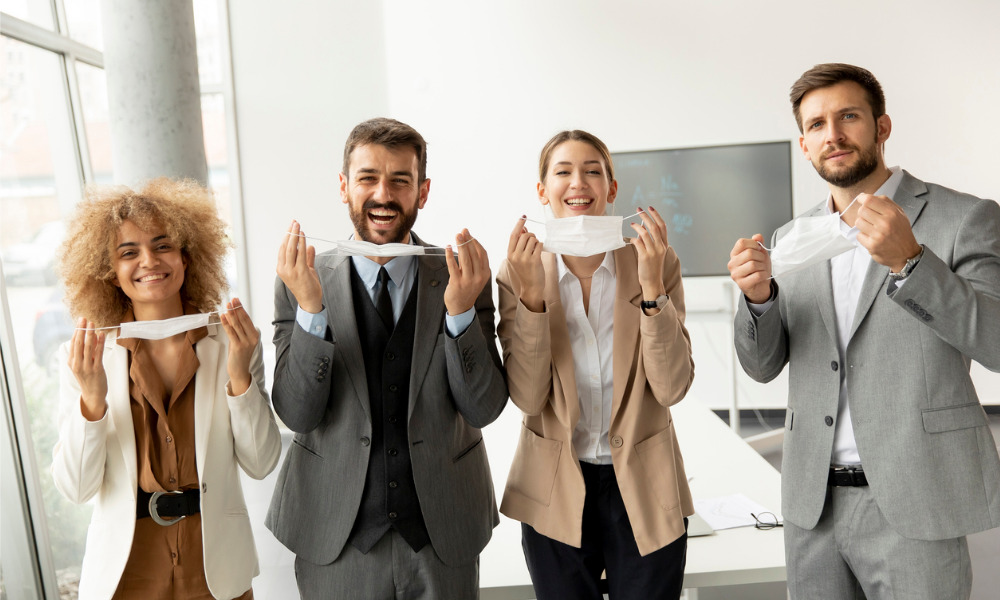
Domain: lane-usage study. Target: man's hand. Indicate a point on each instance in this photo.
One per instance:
(296, 268)
(467, 274)
(651, 246)
(884, 230)
(524, 253)
(750, 267)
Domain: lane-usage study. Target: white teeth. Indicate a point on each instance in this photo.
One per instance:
(154, 277)
(382, 212)
(578, 202)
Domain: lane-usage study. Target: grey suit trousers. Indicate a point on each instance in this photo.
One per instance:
(853, 554)
(391, 570)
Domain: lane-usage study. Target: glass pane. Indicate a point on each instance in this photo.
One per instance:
(84, 20)
(94, 101)
(38, 12)
(208, 30)
(39, 185)
(213, 115)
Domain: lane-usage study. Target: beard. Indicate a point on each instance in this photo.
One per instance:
(395, 235)
(850, 176)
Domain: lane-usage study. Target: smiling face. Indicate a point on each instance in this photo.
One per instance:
(382, 192)
(149, 269)
(840, 135)
(576, 181)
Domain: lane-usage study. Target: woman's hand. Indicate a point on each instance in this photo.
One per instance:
(524, 252)
(651, 246)
(243, 339)
(86, 361)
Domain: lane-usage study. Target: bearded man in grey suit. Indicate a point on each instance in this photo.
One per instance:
(387, 368)
(888, 457)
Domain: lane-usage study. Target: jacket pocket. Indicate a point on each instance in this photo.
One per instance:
(301, 446)
(463, 453)
(965, 416)
(657, 454)
(533, 471)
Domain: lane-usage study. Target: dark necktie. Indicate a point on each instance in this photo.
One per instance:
(383, 303)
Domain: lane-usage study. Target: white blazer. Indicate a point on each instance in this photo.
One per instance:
(99, 459)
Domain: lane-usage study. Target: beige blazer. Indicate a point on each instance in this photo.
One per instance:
(653, 369)
(98, 460)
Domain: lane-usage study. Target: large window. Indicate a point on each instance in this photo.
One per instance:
(55, 126)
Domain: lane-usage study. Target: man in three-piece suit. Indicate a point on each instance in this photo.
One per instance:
(888, 457)
(387, 368)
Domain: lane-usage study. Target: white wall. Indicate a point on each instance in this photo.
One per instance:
(487, 83)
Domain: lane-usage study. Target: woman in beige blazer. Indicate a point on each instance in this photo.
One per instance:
(153, 426)
(596, 351)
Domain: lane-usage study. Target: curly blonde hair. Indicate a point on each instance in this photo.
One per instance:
(184, 209)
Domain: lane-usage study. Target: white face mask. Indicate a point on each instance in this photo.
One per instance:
(158, 330)
(584, 235)
(810, 240)
(363, 248)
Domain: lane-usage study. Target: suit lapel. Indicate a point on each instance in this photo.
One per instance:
(562, 353)
(907, 197)
(823, 284)
(206, 391)
(335, 278)
(628, 295)
(119, 404)
(432, 279)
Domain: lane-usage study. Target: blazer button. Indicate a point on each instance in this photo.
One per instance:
(393, 452)
(393, 387)
(616, 441)
(390, 356)
(393, 515)
(393, 484)
(828, 420)
(365, 441)
(834, 365)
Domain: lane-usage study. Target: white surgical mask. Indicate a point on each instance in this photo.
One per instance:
(363, 248)
(583, 235)
(158, 330)
(810, 240)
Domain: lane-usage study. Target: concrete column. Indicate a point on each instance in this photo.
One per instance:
(154, 100)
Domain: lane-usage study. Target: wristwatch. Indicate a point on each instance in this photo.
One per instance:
(660, 302)
(910, 263)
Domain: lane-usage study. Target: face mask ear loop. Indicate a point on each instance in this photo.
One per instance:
(851, 204)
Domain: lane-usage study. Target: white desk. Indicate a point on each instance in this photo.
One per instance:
(720, 464)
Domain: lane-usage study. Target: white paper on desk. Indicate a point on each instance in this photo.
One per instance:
(726, 512)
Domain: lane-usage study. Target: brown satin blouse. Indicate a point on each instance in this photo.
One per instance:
(165, 562)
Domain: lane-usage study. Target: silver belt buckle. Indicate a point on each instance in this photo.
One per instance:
(155, 516)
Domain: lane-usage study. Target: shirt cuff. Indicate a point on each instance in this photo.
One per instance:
(759, 309)
(315, 324)
(457, 325)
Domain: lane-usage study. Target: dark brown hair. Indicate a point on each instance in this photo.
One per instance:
(391, 134)
(577, 135)
(828, 74)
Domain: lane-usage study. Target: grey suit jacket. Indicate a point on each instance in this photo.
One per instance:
(921, 431)
(320, 391)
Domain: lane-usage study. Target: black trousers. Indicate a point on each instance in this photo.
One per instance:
(562, 572)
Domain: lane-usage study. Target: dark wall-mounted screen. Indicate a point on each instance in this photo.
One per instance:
(709, 197)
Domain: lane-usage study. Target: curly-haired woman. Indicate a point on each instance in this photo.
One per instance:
(153, 427)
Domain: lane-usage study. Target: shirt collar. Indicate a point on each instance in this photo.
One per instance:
(400, 268)
(608, 264)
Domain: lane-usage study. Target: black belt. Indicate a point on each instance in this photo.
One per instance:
(172, 505)
(847, 476)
